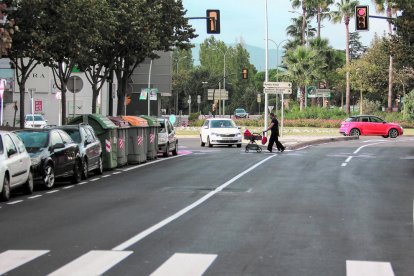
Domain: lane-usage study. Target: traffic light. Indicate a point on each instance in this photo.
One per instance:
(362, 18)
(213, 21)
(245, 73)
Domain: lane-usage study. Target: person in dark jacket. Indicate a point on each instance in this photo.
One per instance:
(274, 134)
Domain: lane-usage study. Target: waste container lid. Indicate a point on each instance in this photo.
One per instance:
(152, 121)
(104, 122)
(135, 121)
(119, 121)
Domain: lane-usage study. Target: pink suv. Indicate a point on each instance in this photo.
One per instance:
(369, 125)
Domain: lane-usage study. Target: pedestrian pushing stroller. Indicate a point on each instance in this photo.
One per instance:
(252, 137)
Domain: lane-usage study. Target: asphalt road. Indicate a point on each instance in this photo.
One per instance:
(343, 208)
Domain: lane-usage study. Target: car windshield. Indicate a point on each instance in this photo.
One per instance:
(351, 119)
(34, 139)
(34, 118)
(240, 111)
(162, 127)
(222, 124)
(74, 134)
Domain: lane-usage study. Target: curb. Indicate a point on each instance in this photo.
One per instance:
(321, 141)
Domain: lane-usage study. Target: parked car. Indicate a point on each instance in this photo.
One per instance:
(89, 147)
(220, 131)
(53, 154)
(15, 165)
(240, 113)
(167, 140)
(34, 121)
(370, 125)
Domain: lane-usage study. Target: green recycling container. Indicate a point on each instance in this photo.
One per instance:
(152, 139)
(106, 131)
(137, 139)
(122, 151)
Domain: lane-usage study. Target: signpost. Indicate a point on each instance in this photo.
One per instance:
(278, 88)
(2, 87)
(217, 94)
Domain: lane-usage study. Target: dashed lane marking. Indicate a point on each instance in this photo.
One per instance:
(52, 192)
(108, 175)
(32, 197)
(68, 187)
(185, 264)
(94, 179)
(14, 202)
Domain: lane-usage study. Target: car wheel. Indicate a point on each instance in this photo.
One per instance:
(77, 172)
(175, 150)
(28, 186)
(208, 142)
(5, 193)
(393, 133)
(354, 132)
(239, 145)
(167, 149)
(49, 176)
(99, 170)
(201, 142)
(85, 169)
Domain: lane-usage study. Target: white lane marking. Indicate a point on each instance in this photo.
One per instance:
(94, 179)
(36, 196)
(14, 202)
(185, 265)
(348, 159)
(180, 213)
(116, 172)
(361, 147)
(374, 140)
(95, 262)
(82, 183)
(150, 163)
(51, 192)
(11, 259)
(108, 175)
(358, 268)
(344, 164)
(68, 187)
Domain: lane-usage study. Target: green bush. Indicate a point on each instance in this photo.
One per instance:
(194, 116)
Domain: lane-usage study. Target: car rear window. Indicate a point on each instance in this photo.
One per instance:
(33, 139)
(352, 119)
(74, 134)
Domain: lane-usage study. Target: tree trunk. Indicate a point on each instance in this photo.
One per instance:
(302, 98)
(390, 69)
(348, 87)
(22, 91)
(319, 21)
(63, 103)
(304, 23)
(360, 103)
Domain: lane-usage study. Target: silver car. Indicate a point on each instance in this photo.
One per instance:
(167, 140)
(15, 165)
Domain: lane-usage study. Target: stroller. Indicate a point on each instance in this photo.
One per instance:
(252, 137)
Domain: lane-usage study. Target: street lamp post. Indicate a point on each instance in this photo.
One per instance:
(224, 79)
(266, 64)
(178, 61)
(277, 62)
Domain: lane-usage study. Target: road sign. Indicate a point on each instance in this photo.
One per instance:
(218, 94)
(277, 90)
(270, 107)
(38, 106)
(277, 84)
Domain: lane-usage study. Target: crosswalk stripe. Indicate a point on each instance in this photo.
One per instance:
(185, 264)
(95, 262)
(11, 259)
(357, 268)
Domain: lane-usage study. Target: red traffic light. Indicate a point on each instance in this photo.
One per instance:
(361, 11)
(361, 18)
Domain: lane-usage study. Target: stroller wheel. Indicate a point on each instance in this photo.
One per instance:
(259, 149)
(246, 150)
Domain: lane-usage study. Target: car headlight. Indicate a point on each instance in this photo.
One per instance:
(238, 134)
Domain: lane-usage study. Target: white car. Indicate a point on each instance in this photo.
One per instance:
(220, 131)
(15, 165)
(167, 140)
(34, 121)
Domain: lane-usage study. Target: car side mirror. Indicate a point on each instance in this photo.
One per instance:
(10, 152)
(58, 146)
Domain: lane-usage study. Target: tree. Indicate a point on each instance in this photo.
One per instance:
(26, 50)
(6, 31)
(345, 11)
(322, 11)
(303, 5)
(356, 49)
(144, 28)
(304, 66)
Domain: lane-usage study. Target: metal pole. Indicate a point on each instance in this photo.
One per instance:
(219, 102)
(149, 87)
(266, 66)
(224, 80)
(74, 97)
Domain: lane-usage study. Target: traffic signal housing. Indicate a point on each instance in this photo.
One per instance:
(245, 73)
(361, 18)
(213, 21)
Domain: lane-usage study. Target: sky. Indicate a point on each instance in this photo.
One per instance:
(245, 19)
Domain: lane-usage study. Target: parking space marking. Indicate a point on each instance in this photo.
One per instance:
(36, 196)
(14, 202)
(68, 187)
(107, 175)
(82, 183)
(116, 172)
(94, 179)
(51, 192)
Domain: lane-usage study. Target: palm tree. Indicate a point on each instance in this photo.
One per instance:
(297, 4)
(304, 66)
(387, 6)
(345, 11)
(295, 30)
(322, 9)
